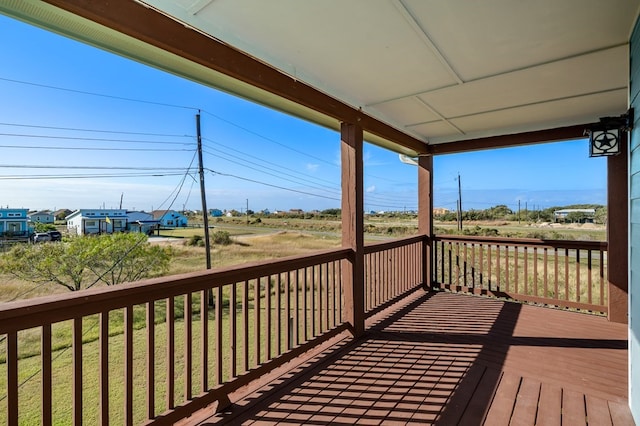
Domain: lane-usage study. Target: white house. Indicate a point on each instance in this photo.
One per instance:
(44, 216)
(141, 222)
(14, 223)
(97, 221)
(561, 215)
(170, 218)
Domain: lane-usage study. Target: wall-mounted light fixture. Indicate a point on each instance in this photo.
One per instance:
(604, 137)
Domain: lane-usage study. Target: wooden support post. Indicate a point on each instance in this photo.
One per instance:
(353, 225)
(425, 216)
(618, 234)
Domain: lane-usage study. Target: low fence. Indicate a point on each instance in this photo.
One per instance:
(569, 274)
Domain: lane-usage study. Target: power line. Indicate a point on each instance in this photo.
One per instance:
(279, 176)
(34, 166)
(77, 138)
(271, 185)
(83, 92)
(94, 149)
(269, 139)
(87, 176)
(244, 154)
(96, 130)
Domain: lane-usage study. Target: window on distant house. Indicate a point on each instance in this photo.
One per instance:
(90, 223)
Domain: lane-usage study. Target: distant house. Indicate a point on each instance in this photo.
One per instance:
(61, 214)
(44, 216)
(14, 224)
(170, 218)
(97, 221)
(141, 222)
(583, 215)
(216, 213)
(439, 211)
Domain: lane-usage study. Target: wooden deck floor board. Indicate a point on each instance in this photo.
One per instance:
(502, 405)
(573, 410)
(456, 359)
(526, 405)
(549, 405)
(597, 411)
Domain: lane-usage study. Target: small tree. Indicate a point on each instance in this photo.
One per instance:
(44, 227)
(127, 257)
(84, 261)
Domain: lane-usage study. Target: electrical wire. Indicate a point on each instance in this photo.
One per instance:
(77, 138)
(214, 172)
(96, 131)
(83, 92)
(94, 149)
(93, 176)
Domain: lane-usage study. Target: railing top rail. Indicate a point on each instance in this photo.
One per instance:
(570, 244)
(389, 244)
(24, 314)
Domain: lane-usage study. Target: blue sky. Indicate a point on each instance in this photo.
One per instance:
(100, 127)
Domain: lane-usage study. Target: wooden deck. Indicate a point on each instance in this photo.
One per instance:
(448, 359)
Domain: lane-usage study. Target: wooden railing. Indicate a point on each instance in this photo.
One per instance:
(570, 274)
(156, 351)
(391, 269)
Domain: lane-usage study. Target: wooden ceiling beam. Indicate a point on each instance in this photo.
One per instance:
(504, 141)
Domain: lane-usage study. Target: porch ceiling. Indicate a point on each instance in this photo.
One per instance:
(439, 71)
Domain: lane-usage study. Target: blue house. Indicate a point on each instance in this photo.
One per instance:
(170, 218)
(14, 224)
(141, 222)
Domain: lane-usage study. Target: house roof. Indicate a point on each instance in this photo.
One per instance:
(159, 214)
(412, 72)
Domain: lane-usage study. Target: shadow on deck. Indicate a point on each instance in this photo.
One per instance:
(443, 358)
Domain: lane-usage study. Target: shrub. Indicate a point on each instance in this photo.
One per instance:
(195, 240)
(222, 238)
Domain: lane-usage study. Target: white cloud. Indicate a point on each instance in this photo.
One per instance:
(312, 167)
(371, 188)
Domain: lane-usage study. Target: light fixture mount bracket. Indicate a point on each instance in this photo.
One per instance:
(604, 137)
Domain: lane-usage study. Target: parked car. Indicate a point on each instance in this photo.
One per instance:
(40, 237)
(55, 235)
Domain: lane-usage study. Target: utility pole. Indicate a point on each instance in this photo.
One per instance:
(247, 211)
(205, 213)
(459, 204)
(518, 211)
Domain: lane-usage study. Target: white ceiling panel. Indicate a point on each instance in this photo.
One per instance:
(362, 55)
(538, 116)
(489, 37)
(437, 130)
(566, 78)
(407, 110)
